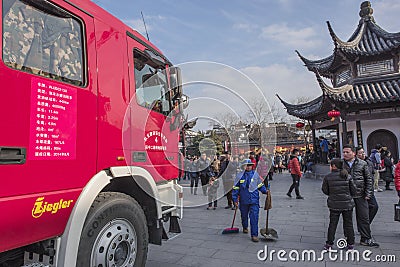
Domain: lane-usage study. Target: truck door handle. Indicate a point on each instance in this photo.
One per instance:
(12, 155)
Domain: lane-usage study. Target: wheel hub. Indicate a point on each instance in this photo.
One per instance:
(115, 246)
(121, 253)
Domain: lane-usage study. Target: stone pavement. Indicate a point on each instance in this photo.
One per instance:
(301, 225)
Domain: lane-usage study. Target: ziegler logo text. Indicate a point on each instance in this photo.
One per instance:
(41, 206)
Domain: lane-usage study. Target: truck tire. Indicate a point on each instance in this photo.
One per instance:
(114, 234)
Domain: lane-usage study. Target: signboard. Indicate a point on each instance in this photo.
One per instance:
(155, 141)
(52, 121)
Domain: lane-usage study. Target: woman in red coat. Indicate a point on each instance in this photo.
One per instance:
(295, 171)
(397, 178)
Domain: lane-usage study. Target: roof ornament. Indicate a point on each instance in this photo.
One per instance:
(366, 10)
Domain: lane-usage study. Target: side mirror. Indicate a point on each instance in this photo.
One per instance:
(165, 106)
(184, 101)
(176, 81)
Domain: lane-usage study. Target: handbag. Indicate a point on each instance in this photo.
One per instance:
(397, 212)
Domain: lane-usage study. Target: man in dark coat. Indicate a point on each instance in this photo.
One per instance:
(372, 203)
(387, 172)
(205, 172)
(324, 149)
(358, 169)
(228, 173)
(339, 186)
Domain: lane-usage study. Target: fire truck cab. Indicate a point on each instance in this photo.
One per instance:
(89, 160)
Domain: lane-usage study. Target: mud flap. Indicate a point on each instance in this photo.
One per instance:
(174, 225)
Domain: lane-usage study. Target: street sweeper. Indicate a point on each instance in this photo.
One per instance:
(246, 196)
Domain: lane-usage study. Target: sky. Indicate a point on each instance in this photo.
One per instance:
(247, 39)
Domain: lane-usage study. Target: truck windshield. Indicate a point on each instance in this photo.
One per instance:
(151, 85)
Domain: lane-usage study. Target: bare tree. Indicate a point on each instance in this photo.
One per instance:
(227, 120)
(259, 112)
(301, 100)
(279, 113)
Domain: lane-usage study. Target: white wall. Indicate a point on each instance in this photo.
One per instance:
(392, 125)
(367, 127)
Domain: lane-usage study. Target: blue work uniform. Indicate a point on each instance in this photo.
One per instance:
(247, 184)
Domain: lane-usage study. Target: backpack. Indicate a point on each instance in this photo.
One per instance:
(372, 157)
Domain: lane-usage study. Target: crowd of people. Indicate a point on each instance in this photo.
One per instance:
(277, 162)
(351, 184)
(241, 179)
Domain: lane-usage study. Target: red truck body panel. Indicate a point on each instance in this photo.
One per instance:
(72, 132)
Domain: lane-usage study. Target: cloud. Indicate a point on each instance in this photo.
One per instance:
(386, 6)
(286, 3)
(216, 89)
(229, 89)
(386, 14)
(243, 22)
(137, 24)
(304, 38)
(220, 81)
(245, 27)
(290, 83)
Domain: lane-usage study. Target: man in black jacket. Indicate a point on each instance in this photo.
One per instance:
(358, 169)
(205, 172)
(372, 203)
(339, 186)
(228, 173)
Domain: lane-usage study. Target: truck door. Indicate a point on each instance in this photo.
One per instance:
(154, 140)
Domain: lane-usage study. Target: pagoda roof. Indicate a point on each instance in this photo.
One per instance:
(315, 108)
(361, 92)
(383, 90)
(368, 39)
(321, 65)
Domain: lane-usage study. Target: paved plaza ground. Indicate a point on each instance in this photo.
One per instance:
(301, 225)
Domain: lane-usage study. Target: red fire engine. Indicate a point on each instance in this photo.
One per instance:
(89, 157)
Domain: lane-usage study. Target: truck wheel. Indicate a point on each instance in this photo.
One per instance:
(115, 233)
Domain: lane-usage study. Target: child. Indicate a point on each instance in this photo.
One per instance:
(340, 188)
(212, 192)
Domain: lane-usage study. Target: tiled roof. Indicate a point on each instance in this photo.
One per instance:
(321, 65)
(386, 89)
(366, 93)
(310, 109)
(367, 40)
(379, 90)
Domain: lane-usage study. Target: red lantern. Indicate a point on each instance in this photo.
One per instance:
(300, 125)
(333, 114)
